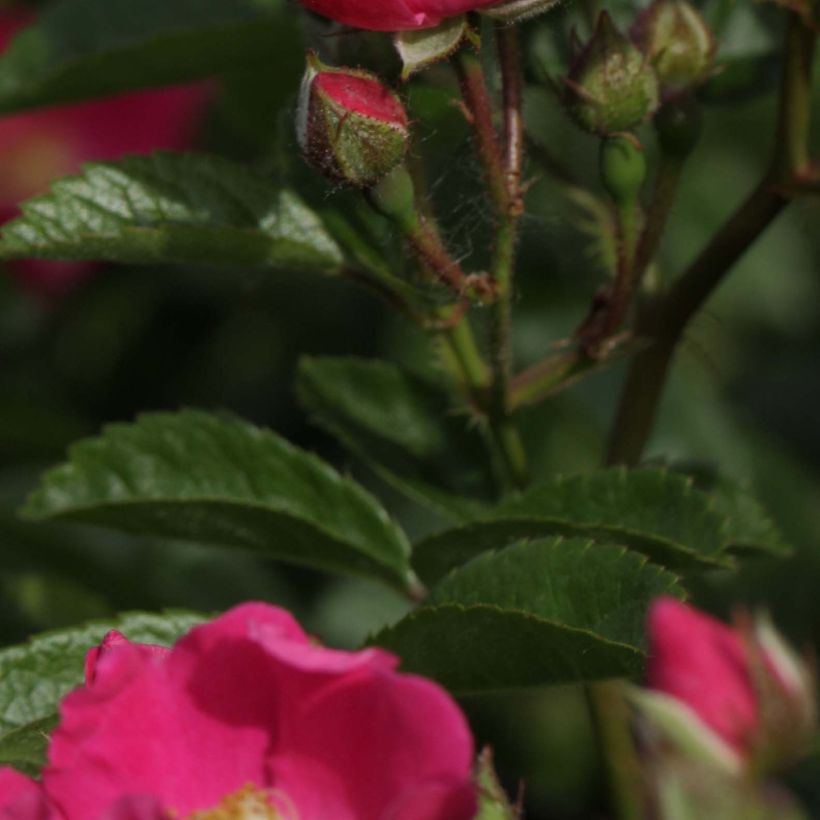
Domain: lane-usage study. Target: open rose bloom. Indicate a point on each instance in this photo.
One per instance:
(737, 696)
(247, 718)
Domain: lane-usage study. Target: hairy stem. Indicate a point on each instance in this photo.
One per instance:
(501, 161)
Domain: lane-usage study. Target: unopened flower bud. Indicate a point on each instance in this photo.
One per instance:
(677, 42)
(611, 86)
(350, 126)
(742, 692)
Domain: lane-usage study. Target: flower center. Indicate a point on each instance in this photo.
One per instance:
(250, 803)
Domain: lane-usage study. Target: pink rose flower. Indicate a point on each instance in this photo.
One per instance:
(246, 714)
(744, 683)
(703, 663)
(37, 147)
(392, 15)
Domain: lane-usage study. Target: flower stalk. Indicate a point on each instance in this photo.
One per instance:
(502, 162)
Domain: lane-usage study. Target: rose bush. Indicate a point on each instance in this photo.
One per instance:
(40, 146)
(247, 717)
(393, 15)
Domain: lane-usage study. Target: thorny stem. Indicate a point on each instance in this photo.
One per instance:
(502, 162)
(664, 320)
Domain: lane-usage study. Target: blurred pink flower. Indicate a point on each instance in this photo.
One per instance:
(703, 663)
(247, 716)
(38, 146)
(744, 683)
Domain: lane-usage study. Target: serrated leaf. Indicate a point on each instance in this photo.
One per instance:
(402, 427)
(421, 48)
(171, 208)
(212, 479)
(748, 527)
(35, 675)
(24, 747)
(78, 49)
(543, 612)
(656, 512)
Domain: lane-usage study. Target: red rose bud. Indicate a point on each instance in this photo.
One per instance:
(677, 42)
(611, 86)
(742, 686)
(350, 126)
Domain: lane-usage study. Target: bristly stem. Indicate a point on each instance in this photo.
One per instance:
(664, 320)
(502, 161)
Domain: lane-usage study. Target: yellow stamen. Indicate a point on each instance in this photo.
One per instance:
(250, 803)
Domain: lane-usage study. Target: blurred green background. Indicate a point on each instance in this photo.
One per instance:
(745, 393)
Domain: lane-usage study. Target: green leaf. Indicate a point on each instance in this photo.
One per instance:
(171, 208)
(216, 479)
(24, 748)
(542, 612)
(87, 48)
(656, 512)
(402, 427)
(34, 676)
(748, 527)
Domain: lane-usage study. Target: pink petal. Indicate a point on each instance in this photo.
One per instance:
(388, 737)
(702, 662)
(137, 729)
(112, 641)
(22, 798)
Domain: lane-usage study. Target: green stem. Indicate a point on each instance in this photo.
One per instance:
(479, 108)
(664, 192)
(470, 368)
(502, 163)
(664, 321)
(630, 219)
(794, 121)
(610, 719)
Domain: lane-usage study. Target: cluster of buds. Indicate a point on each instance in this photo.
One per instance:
(617, 81)
(736, 701)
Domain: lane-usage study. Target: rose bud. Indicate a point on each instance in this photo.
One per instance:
(677, 42)
(738, 695)
(350, 126)
(611, 86)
